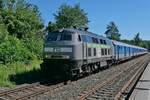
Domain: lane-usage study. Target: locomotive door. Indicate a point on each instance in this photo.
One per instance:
(84, 51)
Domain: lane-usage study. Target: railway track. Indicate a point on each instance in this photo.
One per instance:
(126, 90)
(110, 88)
(117, 86)
(28, 91)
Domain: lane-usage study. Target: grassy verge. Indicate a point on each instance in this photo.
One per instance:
(14, 69)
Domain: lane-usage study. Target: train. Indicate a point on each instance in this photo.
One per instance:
(72, 52)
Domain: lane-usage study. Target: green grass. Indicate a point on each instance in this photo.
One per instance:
(18, 68)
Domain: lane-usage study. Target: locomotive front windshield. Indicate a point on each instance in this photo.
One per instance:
(59, 37)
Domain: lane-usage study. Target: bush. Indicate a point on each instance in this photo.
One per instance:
(34, 45)
(3, 33)
(12, 50)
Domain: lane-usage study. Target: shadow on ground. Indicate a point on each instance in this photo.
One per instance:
(37, 75)
(34, 76)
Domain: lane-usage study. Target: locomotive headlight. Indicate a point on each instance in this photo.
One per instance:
(47, 56)
(66, 56)
(48, 49)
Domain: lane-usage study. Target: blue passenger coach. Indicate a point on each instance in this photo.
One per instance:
(124, 51)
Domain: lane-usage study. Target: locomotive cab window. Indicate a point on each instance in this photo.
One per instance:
(59, 37)
(66, 37)
(52, 37)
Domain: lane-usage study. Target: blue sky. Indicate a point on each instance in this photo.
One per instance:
(131, 16)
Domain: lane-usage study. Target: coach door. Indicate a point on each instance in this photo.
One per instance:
(115, 51)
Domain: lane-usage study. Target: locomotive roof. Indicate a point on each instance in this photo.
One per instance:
(82, 32)
(71, 30)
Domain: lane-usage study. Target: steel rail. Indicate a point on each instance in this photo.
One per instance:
(130, 83)
(85, 94)
(17, 89)
(36, 93)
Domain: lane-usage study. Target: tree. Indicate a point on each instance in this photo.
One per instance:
(1, 4)
(3, 33)
(112, 31)
(137, 40)
(21, 31)
(21, 19)
(68, 17)
(51, 27)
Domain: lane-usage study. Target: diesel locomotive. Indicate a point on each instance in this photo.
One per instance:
(73, 52)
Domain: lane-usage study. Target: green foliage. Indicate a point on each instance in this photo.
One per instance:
(137, 40)
(22, 19)
(21, 35)
(143, 43)
(147, 45)
(34, 44)
(68, 17)
(51, 27)
(1, 4)
(3, 33)
(112, 31)
(12, 50)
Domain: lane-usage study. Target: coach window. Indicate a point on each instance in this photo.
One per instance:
(121, 49)
(89, 51)
(84, 39)
(101, 41)
(89, 39)
(104, 41)
(108, 51)
(79, 38)
(93, 40)
(94, 51)
(96, 40)
(102, 51)
(105, 51)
